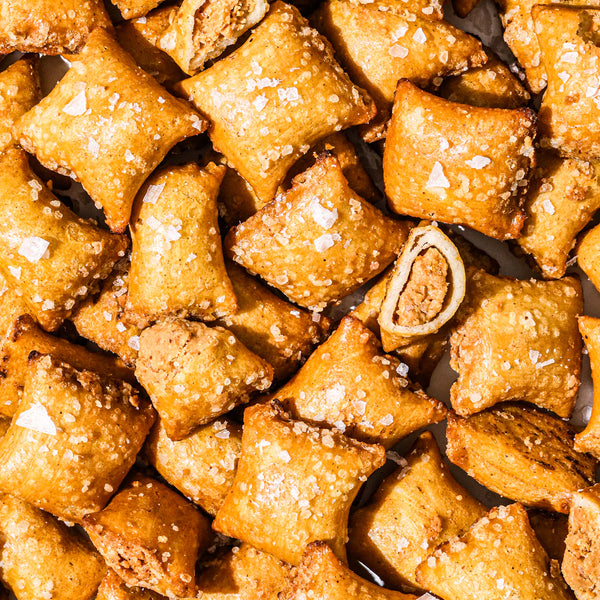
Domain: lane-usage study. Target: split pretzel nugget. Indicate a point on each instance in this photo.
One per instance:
(457, 163)
(26, 337)
(569, 116)
(194, 373)
(73, 438)
(319, 241)
(108, 124)
(275, 97)
(562, 198)
(114, 588)
(589, 439)
(381, 42)
(177, 267)
(201, 466)
(581, 565)
(517, 340)
(151, 537)
(294, 484)
(48, 253)
(321, 575)
(49, 27)
(42, 558)
(417, 507)
(498, 558)
(521, 453)
(348, 383)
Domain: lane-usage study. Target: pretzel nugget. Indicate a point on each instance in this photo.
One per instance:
(581, 565)
(498, 558)
(276, 96)
(194, 373)
(319, 241)
(244, 573)
(102, 318)
(381, 42)
(456, 163)
(493, 86)
(177, 266)
(321, 575)
(518, 340)
(133, 9)
(73, 438)
(19, 92)
(568, 118)
(350, 384)
(201, 30)
(50, 255)
(202, 465)
(589, 439)
(49, 27)
(141, 38)
(425, 288)
(280, 332)
(43, 558)
(562, 198)
(521, 453)
(417, 507)
(588, 251)
(114, 588)
(294, 484)
(27, 337)
(12, 306)
(151, 537)
(112, 124)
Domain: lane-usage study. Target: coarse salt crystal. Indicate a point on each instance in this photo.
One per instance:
(134, 342)
(37, 419)
(534, 356)
(398, 51)
(548, 206)
(129, 155)
(419, 36)
(15, 272)
(335, 393)
(569, 57)
(260, 102)
(478, 162)
(77, 106)
(545, 363)
(153, 193)
(324, 242)
(386, 420)
(322, 216)
(285, 456)
(223, 434)
(33, 248)
(437, 177)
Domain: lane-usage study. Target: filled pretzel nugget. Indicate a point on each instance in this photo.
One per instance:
(517, 340)
(457, 163)
(177, 266)
(417, 507)
(589, 439)
(322, 575)
(521, 453)
(561, 200)
(112, 124)
(19, 92)
(201, 30)
(276, 96)
(50, 255)
(49, 27)
(294, 484)
(151, 537)
(194, 373)
(498, 558)
(141, 38)
(588, 251)
(132, 9)
(581, 564)
(202, 465)
(43, 558)
(426, 287)
(381, 42)
(103, 320)
(569, 116)
(350, 384)
(243, 573)
(73, 438)
(114, 588)
(280, 332)
(26, 337)
(319, 241)
(493, 86)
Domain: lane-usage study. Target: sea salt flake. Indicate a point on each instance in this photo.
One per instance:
(324, 242)
(33, 248)
(419, 36)
(77, 106)
(437, 177)
(478, 162)
(153, 193)
(322, 216)
(37, 419)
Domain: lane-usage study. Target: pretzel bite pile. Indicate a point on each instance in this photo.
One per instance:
(240, 253)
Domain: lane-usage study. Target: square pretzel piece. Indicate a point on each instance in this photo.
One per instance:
(294, 484)
(108, 124)
(275, 97)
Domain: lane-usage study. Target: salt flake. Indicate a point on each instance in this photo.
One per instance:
(33, 248)
(437, 177)
(37, 419)
(77, 106)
